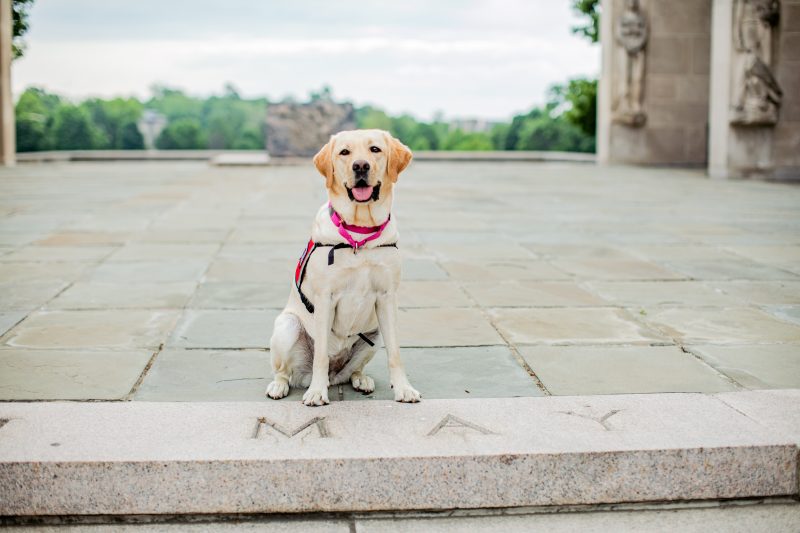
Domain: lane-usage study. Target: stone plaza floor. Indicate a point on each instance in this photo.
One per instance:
(160, 281)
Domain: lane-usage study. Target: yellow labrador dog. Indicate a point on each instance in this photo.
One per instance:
(345, 288)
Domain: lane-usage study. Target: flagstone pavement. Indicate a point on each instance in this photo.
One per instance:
(160, 281)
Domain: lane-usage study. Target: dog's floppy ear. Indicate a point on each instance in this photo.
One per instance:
(324, 162)
(399, 157)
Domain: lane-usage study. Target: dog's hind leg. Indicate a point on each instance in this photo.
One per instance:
(361, 354)
(286, 353)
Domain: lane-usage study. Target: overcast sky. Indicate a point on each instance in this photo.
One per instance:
(466, 58)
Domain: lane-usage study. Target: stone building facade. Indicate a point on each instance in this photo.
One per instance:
(717, 82)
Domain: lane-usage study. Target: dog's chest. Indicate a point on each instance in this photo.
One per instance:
(355, 283)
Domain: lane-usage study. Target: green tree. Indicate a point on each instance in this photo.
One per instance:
(34, 113)
(182, 134)
(371, 118)
(590, 11)
(19, 14)
(117, 119)
(579, 98)
(541, 131)
(73, 129)
(458, 139)
(129, 137)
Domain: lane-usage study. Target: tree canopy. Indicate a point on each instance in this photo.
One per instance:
(590, 11)
(47, 121)
(19, 15)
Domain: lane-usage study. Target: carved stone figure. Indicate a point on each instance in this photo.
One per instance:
(755, 91)
(631, 34)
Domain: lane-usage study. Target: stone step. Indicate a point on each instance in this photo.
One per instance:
(131, 458)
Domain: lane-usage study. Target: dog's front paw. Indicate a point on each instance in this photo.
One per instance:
(406, 393)
(362, 382)
(277, 389)
(316, 396)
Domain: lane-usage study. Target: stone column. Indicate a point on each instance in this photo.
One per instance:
(747, 96)
(604, 85)
(8, 141)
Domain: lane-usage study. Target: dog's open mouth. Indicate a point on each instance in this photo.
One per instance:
(364, 194)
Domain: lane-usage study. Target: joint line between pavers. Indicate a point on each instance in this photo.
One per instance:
(726, 377)
(144, 372)
(520, 360)
(684, 349)
(7, 333)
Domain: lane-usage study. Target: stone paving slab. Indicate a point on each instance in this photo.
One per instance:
(532, 293)
(167, 252)
(79, 254)
(444, 326)
(463, 372)
(100, 295)
(41, 272)
(736, 325)
(774, 366)
(148, 272)
(657, 293)
(569, 370)
(730, 270)
(212, 328)
(761, 292)
(120, 329)
(69, 374)
(622, 269)
(234, 295)
(102, 458)
(573, 326)
(9, 319)
(432, 294)
(502, 269)
(776, 518)
(208, 375)
(29, 295)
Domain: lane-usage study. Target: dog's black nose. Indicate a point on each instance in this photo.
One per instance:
(361, 167)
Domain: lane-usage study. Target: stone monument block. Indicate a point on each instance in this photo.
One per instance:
(294, 129)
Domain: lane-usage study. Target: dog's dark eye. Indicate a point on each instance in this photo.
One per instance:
(374, 149)
(345, 152)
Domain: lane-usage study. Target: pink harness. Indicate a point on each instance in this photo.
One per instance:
(345, 229)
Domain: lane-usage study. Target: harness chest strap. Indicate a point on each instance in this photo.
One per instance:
(300, 272)
(344, 229)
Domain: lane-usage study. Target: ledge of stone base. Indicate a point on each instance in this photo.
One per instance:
(184, 458)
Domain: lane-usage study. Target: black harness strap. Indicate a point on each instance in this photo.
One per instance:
(307, 256)
(366, 339)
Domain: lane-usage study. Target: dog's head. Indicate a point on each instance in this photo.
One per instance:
(362, 165)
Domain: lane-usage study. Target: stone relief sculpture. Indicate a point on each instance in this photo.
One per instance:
(631, 33)
(756, 95)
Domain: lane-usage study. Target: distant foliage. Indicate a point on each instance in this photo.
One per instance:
(557, 126)
(590, 10)
(19, 15)
(48, 122)
(579, 98)
(73, 129)
(182, 134)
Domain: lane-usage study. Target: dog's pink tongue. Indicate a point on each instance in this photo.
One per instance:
(362, 193)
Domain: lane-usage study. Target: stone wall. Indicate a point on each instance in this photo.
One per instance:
(675, 85)
(787, 130)
(294, 129)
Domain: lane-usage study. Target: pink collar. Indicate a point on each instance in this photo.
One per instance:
(345, 228)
